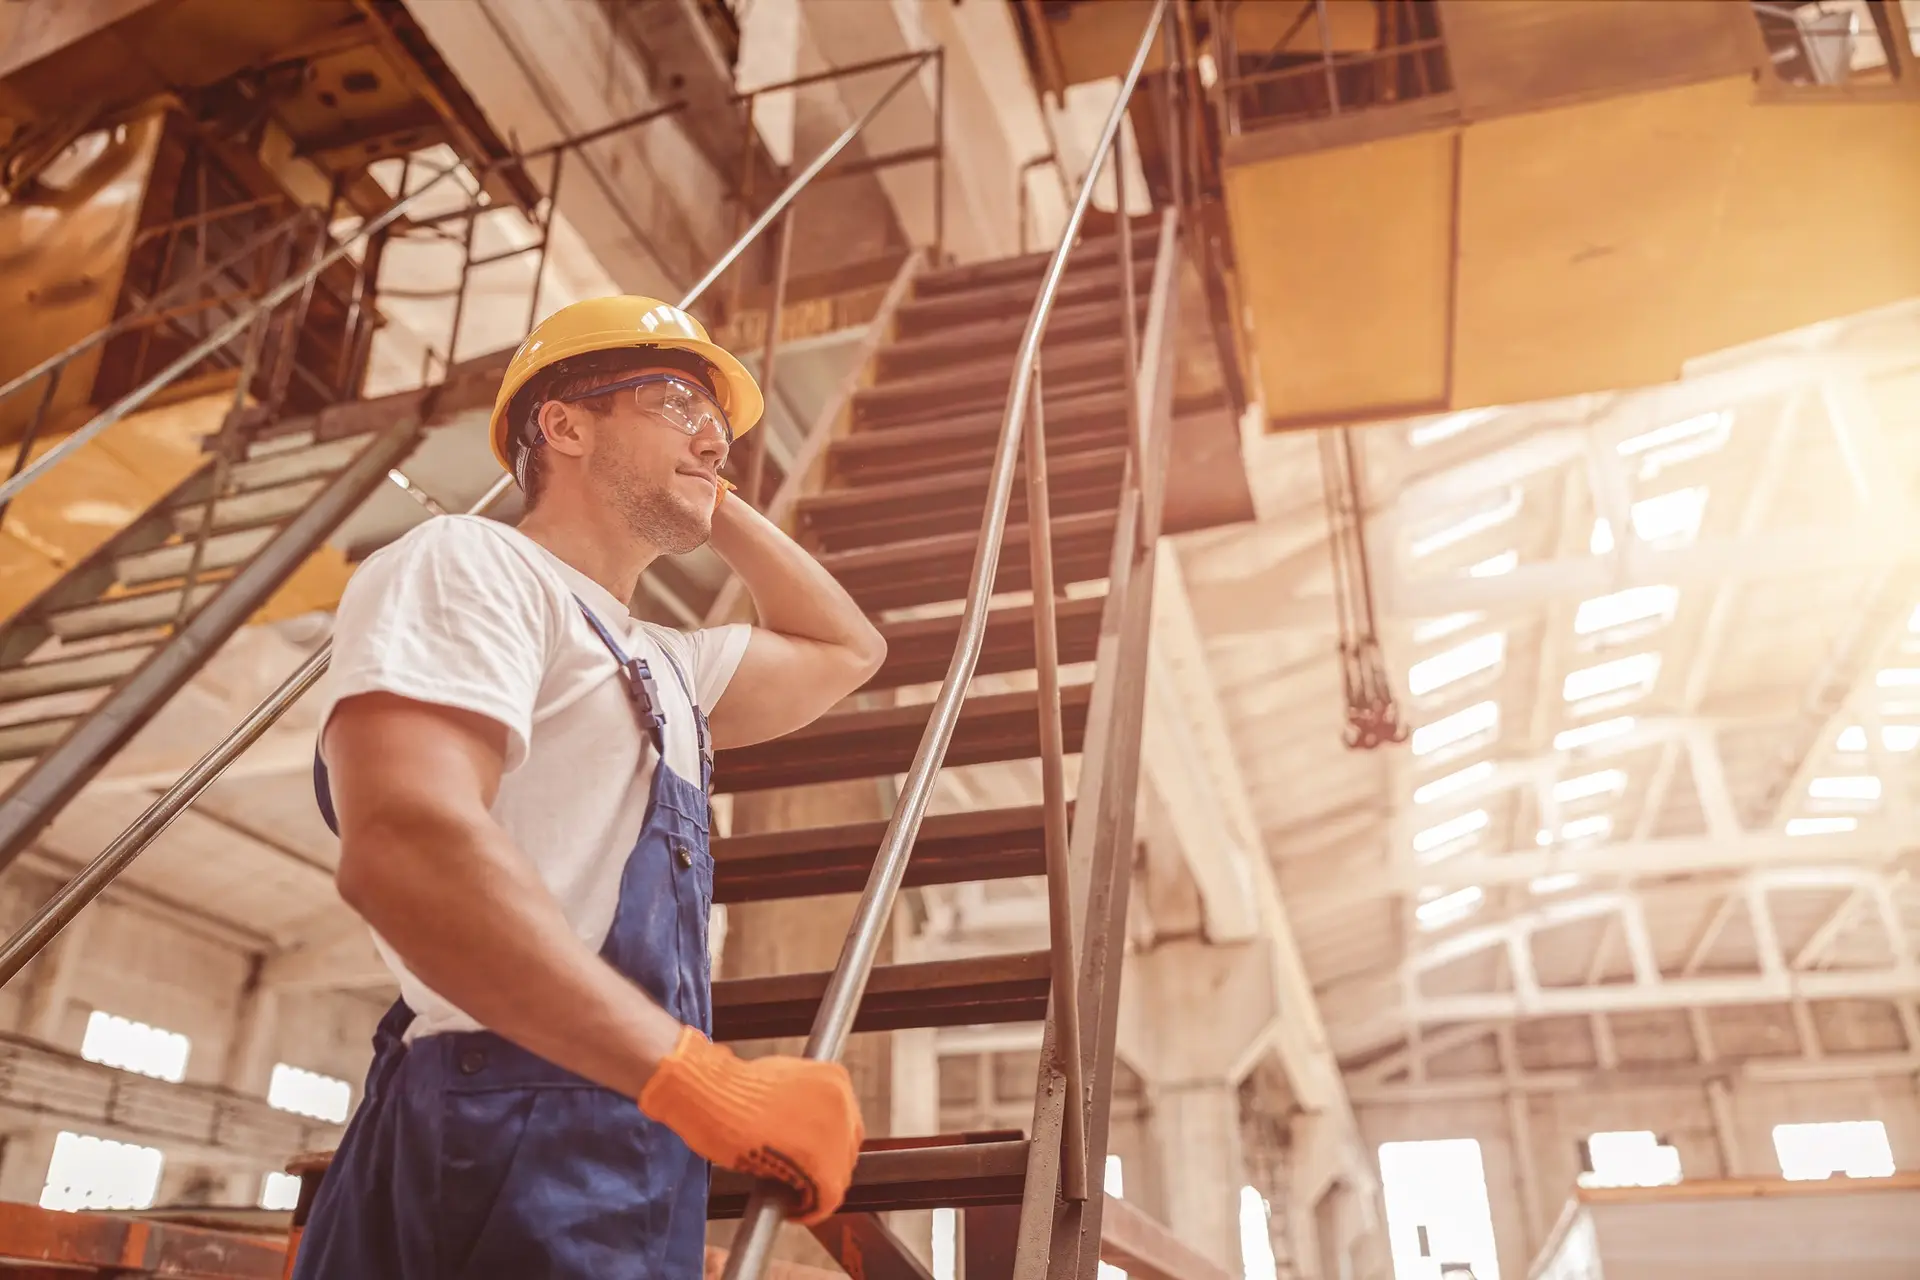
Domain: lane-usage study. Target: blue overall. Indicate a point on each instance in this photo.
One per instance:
(472, 1158)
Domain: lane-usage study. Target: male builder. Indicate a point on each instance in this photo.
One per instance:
(519, 771)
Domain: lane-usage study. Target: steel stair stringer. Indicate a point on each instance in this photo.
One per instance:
(90, 742)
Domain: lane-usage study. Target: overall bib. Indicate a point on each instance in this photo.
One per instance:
(471, 1158)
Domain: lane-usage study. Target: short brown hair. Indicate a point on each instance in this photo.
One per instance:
(574, 377)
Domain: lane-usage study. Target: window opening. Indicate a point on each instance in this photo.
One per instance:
(1630, 1158)
(1815, 1152)
(114, 1041)
(98, 1173)
(308, 1093)
(1438, 1215)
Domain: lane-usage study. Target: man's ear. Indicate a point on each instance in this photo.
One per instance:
(563, 426)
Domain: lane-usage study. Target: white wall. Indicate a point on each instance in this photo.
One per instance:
(1555, 1120)
(134, 963)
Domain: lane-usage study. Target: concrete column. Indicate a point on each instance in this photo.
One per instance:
(1196, 1127)
(23, 1164)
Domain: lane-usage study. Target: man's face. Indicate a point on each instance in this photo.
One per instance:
(656, 456)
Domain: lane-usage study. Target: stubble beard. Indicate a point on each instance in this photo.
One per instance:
(657, 512)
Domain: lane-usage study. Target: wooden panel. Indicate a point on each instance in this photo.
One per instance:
(1602, 245)
(1515, 55)
(1344, 256)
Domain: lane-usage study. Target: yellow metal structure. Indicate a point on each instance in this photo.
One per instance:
(1594, 195)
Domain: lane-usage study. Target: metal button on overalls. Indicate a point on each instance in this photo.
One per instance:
(683, 855)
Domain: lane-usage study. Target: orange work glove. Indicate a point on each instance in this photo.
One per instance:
(793, 1120)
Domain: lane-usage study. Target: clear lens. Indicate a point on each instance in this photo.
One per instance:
(684, 406)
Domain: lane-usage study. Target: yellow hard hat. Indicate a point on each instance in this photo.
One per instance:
(612, 324)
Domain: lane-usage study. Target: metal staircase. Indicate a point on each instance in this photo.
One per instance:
(934, 412)
(993, 504)
(95, 655)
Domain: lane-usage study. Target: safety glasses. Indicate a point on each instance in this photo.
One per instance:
(669, 398)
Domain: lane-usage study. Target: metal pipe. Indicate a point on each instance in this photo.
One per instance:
(201, 350)
(1063, 954)
(806, 175)
(759, 1226)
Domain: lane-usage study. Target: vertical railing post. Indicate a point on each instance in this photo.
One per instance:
(769, 354)
(1326, 56)
(940, 157)
(1063, 955)
(546, 238)
(1129, 316)
(460, 292)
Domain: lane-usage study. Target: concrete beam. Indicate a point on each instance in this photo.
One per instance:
(1146, 1250)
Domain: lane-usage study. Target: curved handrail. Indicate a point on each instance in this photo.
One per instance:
(59, 910)
(753, 1241)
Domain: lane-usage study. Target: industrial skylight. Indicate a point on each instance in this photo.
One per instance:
(1482, 653)
(1434, 430)
(1430, 629)
(1678, 442)
(135, 1046)
(1624, 608)
(1588, 734)
(1430, 842)
(1558, 882)
(1636, 672)
(1439, 912)
(1855, 787)
(1487, 515)
(1898, 678)
(1596, 826)
(1460, 727)
(1894, 737)
(1494, 566)
(1665, 520)
(1821, 826)
(1603, 782)
(1458, 780)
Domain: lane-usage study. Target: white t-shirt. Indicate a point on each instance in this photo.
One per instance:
(469, 613)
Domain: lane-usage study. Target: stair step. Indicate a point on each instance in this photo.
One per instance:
(134, 612)
(983, 383)
(919, 649)
(29, 738)
(874, 743)
(998, 335)
(955, 501)
(987, 844)
(922, 571)
(1090, 250)
(223, 551)
(938, 993)
(275, 462)
(1096, 283)
(250, 508)
(69, 672)
(1076, 419)
(950, 1171)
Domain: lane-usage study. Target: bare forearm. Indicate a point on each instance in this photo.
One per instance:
(473, 921)
(791, 592)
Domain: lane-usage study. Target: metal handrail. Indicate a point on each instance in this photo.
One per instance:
(67, 902)
(753, 1241)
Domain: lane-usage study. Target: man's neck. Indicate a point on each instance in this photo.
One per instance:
(610, 555)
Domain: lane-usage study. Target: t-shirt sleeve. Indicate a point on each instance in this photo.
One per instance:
(449, 615)
(715, 653)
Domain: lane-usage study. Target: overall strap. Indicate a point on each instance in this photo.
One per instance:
(699, 717)
(641, 690)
